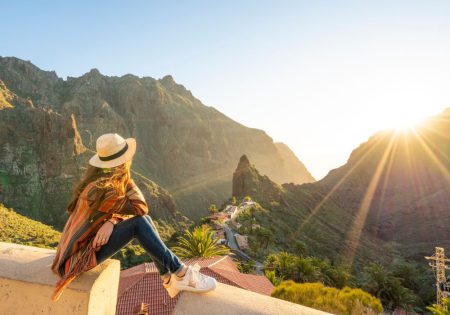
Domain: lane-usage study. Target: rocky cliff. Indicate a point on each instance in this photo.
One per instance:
(42, 155)
(247, 181)
(183, 145)
(391, 196)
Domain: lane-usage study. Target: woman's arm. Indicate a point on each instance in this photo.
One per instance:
(135, 203)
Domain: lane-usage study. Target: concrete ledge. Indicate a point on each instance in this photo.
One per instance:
(27, 282)
(226, 300)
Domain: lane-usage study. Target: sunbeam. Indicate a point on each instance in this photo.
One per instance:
(354, 235)
(432, 155)
(331, 192)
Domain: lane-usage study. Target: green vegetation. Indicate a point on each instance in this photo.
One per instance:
(402, 285)
(16, 228)
(213, 209)
(270, 274)
(246, 267)
(201, 242)
(247, 198)
(287, 266)
(315, 254)
(439, 310)
(347, 301)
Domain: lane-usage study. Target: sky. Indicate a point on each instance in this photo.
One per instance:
(320, 76)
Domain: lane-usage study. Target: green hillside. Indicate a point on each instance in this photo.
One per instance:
(16, 228)
(282, 212)
(390, 198)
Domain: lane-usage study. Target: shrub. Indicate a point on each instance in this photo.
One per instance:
(348, 301)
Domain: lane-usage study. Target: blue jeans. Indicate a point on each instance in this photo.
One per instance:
(142, 228)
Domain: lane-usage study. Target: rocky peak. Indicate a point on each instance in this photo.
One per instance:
(243, 163)
(95, 72)
(247, 181)
(169, 84)
(168, 79)
(26, 80)
(27, 68)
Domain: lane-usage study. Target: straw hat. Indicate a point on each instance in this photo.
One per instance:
(113, 150)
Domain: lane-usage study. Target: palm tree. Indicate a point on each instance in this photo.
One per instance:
(199, 243)
(439, 309)
(384, 285)
(213, 209)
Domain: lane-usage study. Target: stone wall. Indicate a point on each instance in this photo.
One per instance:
(27, 282)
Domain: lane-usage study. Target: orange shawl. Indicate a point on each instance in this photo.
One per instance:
(75, 253)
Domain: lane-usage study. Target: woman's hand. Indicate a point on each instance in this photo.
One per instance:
(102, 236)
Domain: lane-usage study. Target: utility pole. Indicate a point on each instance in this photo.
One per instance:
(437, 262)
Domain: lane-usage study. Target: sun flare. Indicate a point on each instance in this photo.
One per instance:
(402, 120)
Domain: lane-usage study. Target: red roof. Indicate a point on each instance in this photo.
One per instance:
(142, 284)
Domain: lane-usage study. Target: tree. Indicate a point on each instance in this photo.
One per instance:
(300, 248)
(199, 243)
(306, 269)
(270, 274)
(380, 282)
(247, 267)
(264, 235)
(439, 310)
(213, 209)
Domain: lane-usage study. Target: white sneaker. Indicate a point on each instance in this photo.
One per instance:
(193, 280)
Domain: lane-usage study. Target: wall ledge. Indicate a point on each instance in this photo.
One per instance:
(27, 282)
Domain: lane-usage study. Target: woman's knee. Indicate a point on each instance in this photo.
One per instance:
(145, 220)
(141, 219)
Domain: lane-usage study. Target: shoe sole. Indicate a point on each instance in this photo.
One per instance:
(192, 289)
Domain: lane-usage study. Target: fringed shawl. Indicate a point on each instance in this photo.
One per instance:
(75, 252)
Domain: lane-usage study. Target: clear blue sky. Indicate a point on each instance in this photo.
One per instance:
(321, 76)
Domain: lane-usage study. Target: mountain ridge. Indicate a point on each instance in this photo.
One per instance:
(183, 145)
(392, 194)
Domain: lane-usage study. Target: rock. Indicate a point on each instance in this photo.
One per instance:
(247, 181)
(188, 148)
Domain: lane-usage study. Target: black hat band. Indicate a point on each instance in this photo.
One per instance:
(115, 155)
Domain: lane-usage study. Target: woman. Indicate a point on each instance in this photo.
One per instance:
(107, 211)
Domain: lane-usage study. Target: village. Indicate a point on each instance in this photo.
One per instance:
(225, 226)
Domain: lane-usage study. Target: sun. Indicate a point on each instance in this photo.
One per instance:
(407, 124)
(403, 120)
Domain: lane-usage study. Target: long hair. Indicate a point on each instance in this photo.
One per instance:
(115, 178)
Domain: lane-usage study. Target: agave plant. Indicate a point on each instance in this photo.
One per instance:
(199, 243)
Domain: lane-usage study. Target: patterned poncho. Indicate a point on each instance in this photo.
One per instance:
(75, 253)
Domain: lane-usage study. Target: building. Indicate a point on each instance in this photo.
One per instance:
(242, 241)
(141, 285)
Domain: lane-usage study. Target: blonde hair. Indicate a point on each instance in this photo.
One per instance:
(116, 178)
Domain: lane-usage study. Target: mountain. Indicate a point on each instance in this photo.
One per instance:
(392, 196)
(186, 147)
(41, 157)
(397, 184)
(300, 173)
(287, 211)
